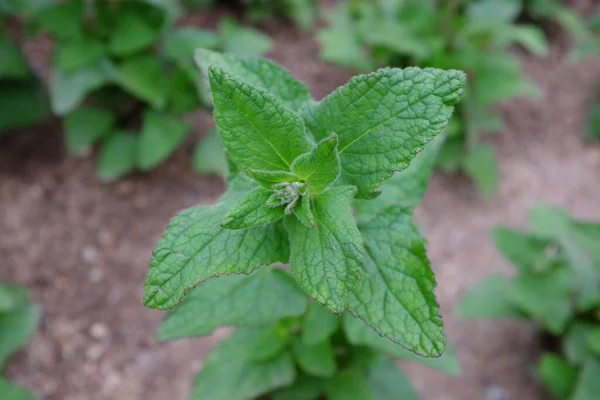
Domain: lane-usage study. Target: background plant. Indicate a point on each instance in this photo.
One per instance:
(296, 166)
(18, 321)
(557, 286)
(473, 36)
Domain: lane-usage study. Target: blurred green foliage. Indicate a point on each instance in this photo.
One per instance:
(18, 321)
(557, 286)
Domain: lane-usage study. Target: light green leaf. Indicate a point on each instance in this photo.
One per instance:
(131, 34)
(245, 379)
(79, 53)
(317, 359)
(557, 375)
(494, 11)
(260, 73)
(261, 298)
(258, 131)
(349, 384)
(68, 90)
(575, 344)
(487, 299)
(181, 43)
(318, 324)
(395, 295)
(480, 164)
(117, 155)
(14, 64)
(320, 167)
(528, 253)
(13, 392)
(195, 248)
(388, 382)
(588, 385)
(142, 77)
(360, 334)
(85, 125)
(305, 387)
(161, 134)
(304, 212)
(251, 211)
(384, 119)
(209, 155)
(326, 260)
(268, 342)
(242, 41)
(16, 327)
(269, 178)
(12, 296)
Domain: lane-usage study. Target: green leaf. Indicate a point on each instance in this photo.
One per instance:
(79, 53)
(576, 346)
(593, 119)
(12, 296)
(588, 385)
(14, 64)
(487, 299)
(209, 155)
(242, 41)
(494, 11)
(360, 334)
(388, 382)
(258, 131)
(317, 359)
(557, 375)
(384, 119)
(349, 384)
(161, 134)
(63, 20)
(528, 253)
(480, 164)
(13, 392)
(305, 387)
(85, 125)
(251, 211)
(245, 379)
(395, 294)
(131, 34)
(117, 155)
(22, 103)
(181, 43)
(304, 212)
(239, 300)
(318, 324)
(268, 342)
(269, 178)
(16, 327)
(320, 167)
(68, 90)
(195, 248)
(142, 77)
(260, 73)
(326, 260)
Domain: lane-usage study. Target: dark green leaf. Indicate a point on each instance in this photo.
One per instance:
(79, 53)
(349, 384)
(317, 359)
(557, 375)
(142, 76)
(131, 34)
(14, 64)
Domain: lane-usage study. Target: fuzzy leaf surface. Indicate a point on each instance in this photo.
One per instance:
(304, 212)
(269, 178)
(243, 300)
(320, 167)
(251, 211)
(383, 119)
(194, 248)
(326, 260)
(395, 295)
(256, 128)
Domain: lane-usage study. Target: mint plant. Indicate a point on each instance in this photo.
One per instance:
(302, 216)
(473, 36)
(557, 287)
(18, 321)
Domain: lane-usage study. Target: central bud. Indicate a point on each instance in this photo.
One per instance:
(286, 194)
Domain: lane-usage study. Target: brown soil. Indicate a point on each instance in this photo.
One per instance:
(83, 246)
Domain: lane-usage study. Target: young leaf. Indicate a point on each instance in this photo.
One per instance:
(557, 375)
(13, 392)
(131, 34)
(258, 131)
(326, 260)
(318, 324)
(387, 382)
(359, 334)
(588, 385)
(320, 167)
(395, 294)
(246, 379)
(383, 119)
(260, 73)
(251, 211)
(85, 125)
(349, 384)
(317, 359)
(117, 155)
(244, 300)
(142, 76)
(209, 155)
(194, 248)
(161, 134)
(269, 178)
(489, 298)
(304, 212)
